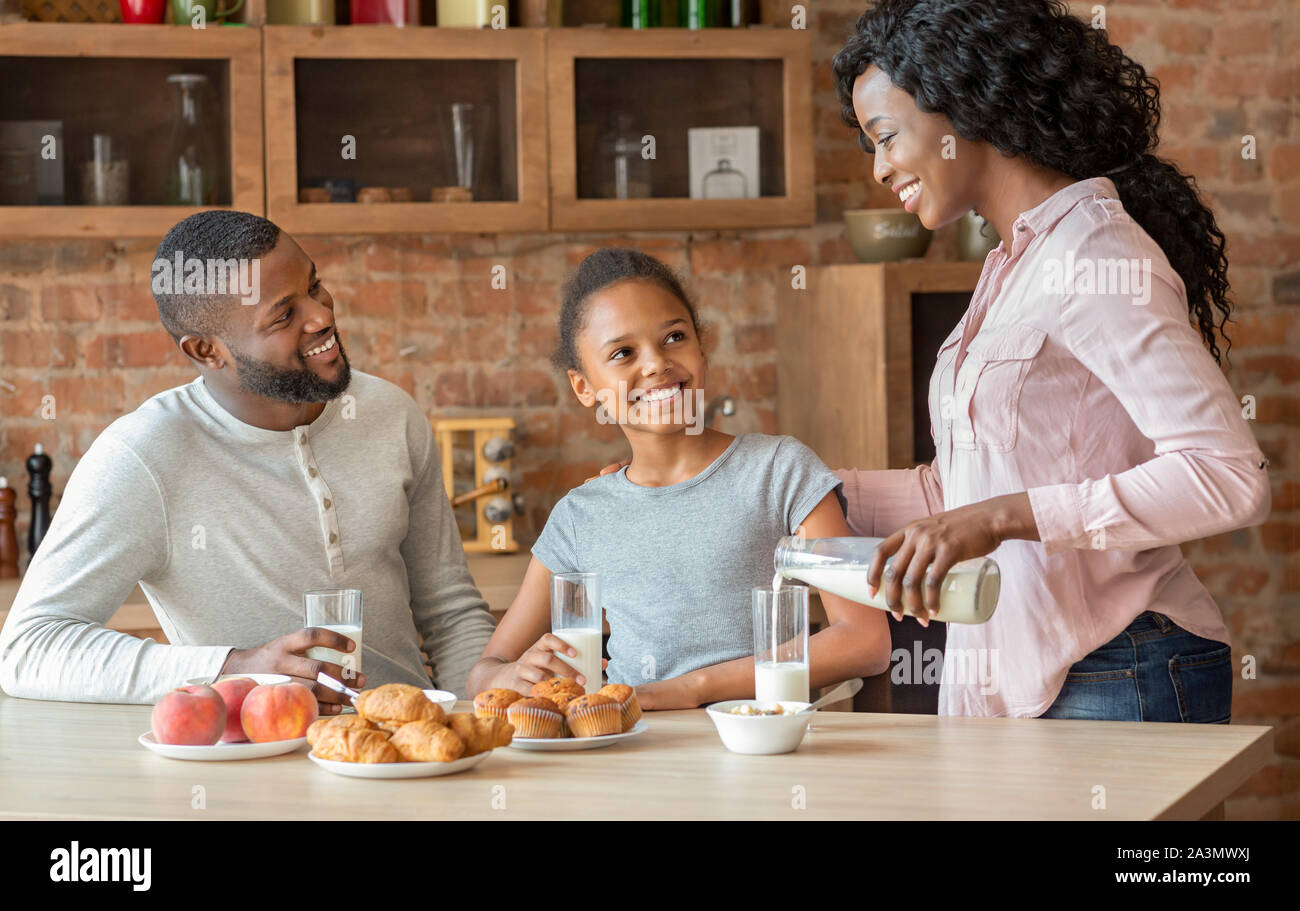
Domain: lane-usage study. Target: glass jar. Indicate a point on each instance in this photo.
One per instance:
(623, 172)
(191, 178)
(106, 173)
(969, 593)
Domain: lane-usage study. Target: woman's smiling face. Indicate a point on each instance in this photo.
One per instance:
(917, 155)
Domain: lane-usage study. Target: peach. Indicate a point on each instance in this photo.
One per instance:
(190, 715)
(233, 691)
(280, 711)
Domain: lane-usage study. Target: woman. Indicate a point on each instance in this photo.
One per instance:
(1082, 428)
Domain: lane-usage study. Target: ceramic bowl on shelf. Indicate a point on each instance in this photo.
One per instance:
(975, 239)
(886, 235)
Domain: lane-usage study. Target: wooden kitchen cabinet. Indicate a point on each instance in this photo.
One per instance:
(383, 87)
(855, 351)
(93, 78)
(666, 81)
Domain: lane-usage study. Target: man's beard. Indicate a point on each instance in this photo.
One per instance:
(299, 386)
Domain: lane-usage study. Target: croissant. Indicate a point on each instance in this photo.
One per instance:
(397, 702)
(353, 745)
(427, 741)
(355, 722)
(480, 734)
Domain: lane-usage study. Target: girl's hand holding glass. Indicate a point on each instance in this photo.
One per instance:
(540, 662)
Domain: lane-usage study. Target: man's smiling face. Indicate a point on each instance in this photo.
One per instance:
(286, 345)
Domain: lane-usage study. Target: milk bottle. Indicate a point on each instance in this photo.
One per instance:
(969, 593)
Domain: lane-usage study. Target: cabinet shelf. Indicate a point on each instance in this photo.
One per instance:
(112, 78)
(669, 80)
(383, 87)
(545, 92)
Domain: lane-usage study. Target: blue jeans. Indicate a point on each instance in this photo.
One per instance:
(1153, 671)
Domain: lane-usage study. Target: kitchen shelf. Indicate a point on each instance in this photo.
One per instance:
(382, 86)
(110, 77)
(670, 80)
(548, 88)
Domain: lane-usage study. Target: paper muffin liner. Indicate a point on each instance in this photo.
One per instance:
(596, 720)
(491, 711)
(535, 722)
(631, 713)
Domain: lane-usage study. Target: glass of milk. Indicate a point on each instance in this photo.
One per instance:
(576, 618)
(338, 610)
(781, 643)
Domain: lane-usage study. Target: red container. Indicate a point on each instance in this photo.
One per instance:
(385, 12)
(149, 12)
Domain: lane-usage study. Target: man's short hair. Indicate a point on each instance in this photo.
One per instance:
(217, 234)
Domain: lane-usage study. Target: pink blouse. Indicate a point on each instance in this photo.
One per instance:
(1075, 375)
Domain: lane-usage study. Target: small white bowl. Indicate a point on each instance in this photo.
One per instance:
(443, 698)
(759, 734)
(263, 679)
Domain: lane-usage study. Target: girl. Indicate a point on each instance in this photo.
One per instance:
(681, 535)
(1083, 429)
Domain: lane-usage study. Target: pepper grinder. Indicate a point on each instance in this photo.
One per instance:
(8, 537)
(38, 488)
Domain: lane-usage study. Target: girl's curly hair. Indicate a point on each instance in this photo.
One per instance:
(1030, 79)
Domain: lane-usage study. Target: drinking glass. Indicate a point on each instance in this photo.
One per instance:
(338, 610)
(575, 618)
(781, 644)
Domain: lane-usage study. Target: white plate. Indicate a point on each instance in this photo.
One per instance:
(397, 769)
(260, 679)
(562, 744)
(219, 752)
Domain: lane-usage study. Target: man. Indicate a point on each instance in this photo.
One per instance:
(278, 471)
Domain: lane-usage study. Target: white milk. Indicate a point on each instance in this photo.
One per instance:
(961, 598)
(784, 681)
(587, 663)
(343, 659)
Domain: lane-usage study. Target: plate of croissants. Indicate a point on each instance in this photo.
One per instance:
(397, 732)
(558, 714)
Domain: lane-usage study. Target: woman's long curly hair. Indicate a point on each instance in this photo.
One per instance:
(1032, 80)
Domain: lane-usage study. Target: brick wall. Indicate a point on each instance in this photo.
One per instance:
(77, 321)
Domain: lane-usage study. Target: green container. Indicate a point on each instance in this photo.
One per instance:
(699, 13)
(641, 14)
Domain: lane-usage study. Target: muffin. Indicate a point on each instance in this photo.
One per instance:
(562, 701)
(625, 696)
(493, 703)
(594, 716)
(535, 717)
(549, 689)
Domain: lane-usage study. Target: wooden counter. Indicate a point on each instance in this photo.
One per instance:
(82, 761)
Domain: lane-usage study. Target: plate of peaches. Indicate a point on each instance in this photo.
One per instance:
(558, 715)
(399, 732)
(239, 716)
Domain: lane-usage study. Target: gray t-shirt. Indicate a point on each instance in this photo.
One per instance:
(677, 563)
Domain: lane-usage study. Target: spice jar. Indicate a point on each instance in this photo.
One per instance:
(106, 174)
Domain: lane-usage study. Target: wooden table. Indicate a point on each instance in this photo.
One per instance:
(81, 761)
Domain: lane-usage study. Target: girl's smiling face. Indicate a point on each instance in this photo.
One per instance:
(639, 345)
(919, 156)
